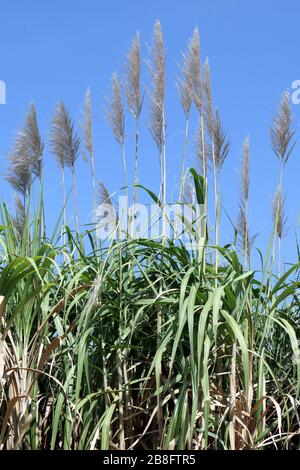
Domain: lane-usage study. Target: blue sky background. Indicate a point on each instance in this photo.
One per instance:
(52, 50)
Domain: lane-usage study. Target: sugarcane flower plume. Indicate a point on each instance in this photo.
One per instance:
(87, 125)
(25, 158)
(64, 142)
(156, 65)
(132, 82)
(282, 131)
(114, 110)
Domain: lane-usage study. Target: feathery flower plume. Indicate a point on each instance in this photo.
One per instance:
(185, 94)
(221, 143)
(18, 175)
(157, 69)
(243, 218)
(244, 235)
(63, 138)
(194, 55)
(32, 142)
(245, 172)
(25, 159)
(87, 125)
(279, 220)
(115, 111)
(185, 85)
(208, 104)
(282, 132)
(115, 116)
(132, 83)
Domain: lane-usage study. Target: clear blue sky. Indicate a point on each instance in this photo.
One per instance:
(52, 50)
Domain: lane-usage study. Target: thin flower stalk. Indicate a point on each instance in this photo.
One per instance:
(282, 141)
(115, 116)
(87, 128)
(157, 125)
(220, 146)
(185, 90)
(243, 219)
(132, 87)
